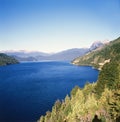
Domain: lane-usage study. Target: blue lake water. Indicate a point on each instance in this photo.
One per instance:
(28, 90)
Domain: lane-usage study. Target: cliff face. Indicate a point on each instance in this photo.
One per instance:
(7, 60)
(99, 101)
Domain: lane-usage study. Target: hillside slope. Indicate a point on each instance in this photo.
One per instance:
(7, 60)
(100, 56)
(96, 102)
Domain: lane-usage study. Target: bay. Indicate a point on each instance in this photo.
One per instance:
(28, 90)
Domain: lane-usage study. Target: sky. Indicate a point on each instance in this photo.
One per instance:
(55, 25)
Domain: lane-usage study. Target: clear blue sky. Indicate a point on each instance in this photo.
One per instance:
(54, 25)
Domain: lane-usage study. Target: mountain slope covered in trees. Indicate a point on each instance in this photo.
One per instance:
(7, 60)
(99, 57)
(98, 101)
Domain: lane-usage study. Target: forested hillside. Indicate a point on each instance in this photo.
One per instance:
(7, 60)
(99, 57)
(96, 102)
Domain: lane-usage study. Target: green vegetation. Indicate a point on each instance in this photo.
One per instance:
(100, 99)
(7, 60)
(100, 56)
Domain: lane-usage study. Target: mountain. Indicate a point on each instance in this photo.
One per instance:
(68, 55)
(7, 60)
(24, 53)
(25, 58)
(71, 54)
(100, 56)
(96, 102)
(96, 45)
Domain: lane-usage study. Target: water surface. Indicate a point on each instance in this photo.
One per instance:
(28, 90)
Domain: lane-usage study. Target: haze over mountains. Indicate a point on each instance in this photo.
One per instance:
(67, 55)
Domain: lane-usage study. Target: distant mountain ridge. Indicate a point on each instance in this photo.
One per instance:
(24, 53)
(67, 55)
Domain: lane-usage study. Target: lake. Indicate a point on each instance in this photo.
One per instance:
(28, 90)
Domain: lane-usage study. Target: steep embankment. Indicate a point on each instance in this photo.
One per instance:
(7, 60)
(99, 101)
(99, 57)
